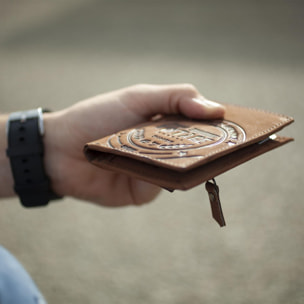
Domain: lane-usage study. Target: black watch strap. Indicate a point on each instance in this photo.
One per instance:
(25, 151)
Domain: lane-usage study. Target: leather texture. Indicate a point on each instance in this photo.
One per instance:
(178, 153)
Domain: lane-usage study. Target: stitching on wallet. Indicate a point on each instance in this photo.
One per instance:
(191, 161)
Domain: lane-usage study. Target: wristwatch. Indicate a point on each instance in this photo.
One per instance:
(25, 150)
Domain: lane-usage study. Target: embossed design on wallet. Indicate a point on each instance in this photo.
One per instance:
(175, 139)
(179, 153)
(165, 140)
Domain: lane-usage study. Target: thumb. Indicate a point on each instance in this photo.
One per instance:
(148, 100)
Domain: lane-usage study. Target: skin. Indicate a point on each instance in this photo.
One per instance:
(68, 130)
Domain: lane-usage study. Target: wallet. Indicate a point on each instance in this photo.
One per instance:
(176, 152)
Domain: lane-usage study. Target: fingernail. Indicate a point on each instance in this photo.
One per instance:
(209, 109)
(207, 103)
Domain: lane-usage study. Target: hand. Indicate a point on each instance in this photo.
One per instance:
(67, 131)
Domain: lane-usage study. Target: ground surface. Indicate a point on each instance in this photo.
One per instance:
(171, 251)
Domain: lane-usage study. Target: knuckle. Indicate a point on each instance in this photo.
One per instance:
(141, 86)
(189, 88)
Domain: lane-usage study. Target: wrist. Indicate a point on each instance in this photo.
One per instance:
(25, 150)
(6, 177)
(52, 151)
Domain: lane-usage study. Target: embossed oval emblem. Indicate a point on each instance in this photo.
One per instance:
(180, 138)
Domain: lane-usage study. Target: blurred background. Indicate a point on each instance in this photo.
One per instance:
(55, 53)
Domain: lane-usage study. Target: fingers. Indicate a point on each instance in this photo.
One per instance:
(143, 192)
(126, 191)
(201, 108)
(148, 100)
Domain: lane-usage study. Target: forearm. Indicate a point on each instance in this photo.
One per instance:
(6, 178)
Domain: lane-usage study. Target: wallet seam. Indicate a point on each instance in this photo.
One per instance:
(190, 161)
(203, 157)
(288, 118)
(227, 147)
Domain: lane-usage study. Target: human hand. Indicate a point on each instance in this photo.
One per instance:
(67, 131)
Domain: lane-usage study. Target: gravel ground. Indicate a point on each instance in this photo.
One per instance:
(170, 251)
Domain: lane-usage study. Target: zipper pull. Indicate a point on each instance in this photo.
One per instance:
(216, 208)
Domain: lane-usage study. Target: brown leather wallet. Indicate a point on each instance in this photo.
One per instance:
(178, 153)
